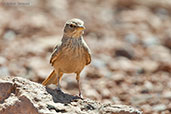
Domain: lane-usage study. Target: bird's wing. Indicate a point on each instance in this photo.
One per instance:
(88, 58)
(55, 54)
(87, 53)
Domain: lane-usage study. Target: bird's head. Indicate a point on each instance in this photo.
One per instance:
(74, 28)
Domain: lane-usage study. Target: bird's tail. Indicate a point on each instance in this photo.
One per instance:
(50, 79)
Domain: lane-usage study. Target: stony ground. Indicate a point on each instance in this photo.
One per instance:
(130, 43)
(21, 96)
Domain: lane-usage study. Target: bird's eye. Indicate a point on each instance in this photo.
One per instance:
(72, 26)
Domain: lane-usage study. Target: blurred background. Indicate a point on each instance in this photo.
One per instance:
(130, 42)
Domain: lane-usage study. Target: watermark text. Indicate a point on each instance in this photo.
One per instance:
(16, 3)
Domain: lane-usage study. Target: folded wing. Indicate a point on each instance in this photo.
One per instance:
(55, 54)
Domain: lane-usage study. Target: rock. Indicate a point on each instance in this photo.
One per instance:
(2, 60)
(164, 67)
(159, 53)
(167, 42)
(98, 63)
(4, 71)
(162, 12)
(21, 96)
(92, 93)
(148, 66)
(116, 100)
(140, 99)
(125, 52)
(167, 94)
(159, 107)
(131, 38)
(124, 64)
(9, 35)
(148, 85)
(105, 93)
(151, 41)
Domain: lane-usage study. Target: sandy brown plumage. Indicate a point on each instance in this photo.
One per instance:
(71, 55)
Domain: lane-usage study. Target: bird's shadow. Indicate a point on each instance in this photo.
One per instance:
(61, 97)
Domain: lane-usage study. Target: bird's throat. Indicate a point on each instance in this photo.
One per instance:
(76, 34)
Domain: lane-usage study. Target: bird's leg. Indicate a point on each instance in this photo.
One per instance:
(58, 80)
(58, 84)
(78, 83)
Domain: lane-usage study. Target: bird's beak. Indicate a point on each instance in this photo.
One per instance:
(81, 27)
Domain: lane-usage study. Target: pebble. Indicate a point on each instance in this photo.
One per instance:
(159, 107)
(128, 53)
(167, 94)
(162, 12)
(167, 42)
(131, 38)
(91, 93)
(151, 41)
(98, 63)
(9, 35)
(2, 60)
(116, 100)
(140, 99)
(4, 71)
(148, 85)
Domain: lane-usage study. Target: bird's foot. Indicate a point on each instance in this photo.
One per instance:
(58, 89)
(79, 96)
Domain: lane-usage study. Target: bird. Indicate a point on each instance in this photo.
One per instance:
(71, 55)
